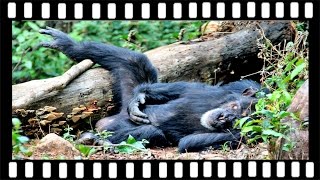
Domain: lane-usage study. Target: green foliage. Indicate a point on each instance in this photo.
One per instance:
(18, 140)
(286, 71)
(225, 147)
(67, 135)
(103, 134)
(86, 150)
(131, 145)
(30, 62)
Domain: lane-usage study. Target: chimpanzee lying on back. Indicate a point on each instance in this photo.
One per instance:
(192, 115)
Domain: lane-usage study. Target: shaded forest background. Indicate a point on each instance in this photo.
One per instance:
(30, 63)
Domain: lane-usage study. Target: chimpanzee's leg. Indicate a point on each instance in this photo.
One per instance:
(129, 68)
(198, 142)
(157, 93)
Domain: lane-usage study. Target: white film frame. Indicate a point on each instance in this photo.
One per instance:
(205, 8)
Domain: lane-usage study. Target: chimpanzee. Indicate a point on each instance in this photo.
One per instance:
(191, 115)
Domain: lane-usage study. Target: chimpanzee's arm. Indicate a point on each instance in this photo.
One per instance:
(157, 93)
(198, 142)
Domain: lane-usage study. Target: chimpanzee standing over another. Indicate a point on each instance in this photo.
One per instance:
(192, 115)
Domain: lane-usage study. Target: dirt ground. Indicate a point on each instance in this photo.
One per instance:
(260, 151)
(171, 153)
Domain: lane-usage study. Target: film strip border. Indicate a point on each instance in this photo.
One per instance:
(176, 169)
(162, 10)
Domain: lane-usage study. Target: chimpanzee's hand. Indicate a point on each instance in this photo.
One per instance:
(61, 41)
(135, 114)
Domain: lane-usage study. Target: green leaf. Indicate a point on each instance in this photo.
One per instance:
(33, 25)
(283, 114)
(16, 123)
(131, 140)
(297, 70)
(92, 151)
(251, 128)
(242, 121)
(23, 139)
(86, 150)
(28, 64)
(272, 133)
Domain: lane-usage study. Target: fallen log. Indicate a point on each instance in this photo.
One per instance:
(222, 59)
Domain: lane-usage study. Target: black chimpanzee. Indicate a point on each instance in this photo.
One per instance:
(192, 115)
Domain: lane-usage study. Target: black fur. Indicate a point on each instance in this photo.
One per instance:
(162, 113)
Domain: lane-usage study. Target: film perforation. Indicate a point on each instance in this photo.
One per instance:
(45, 9)
(237, 170)
(130, 170)
(194, 171)
(207, 169)
(96, 10)
(46, 170)
(27, 10)
(294, 10)
(280, 169)
(63, 173)
(146, 172)
(206, 9)
(265, 10)
(111, 10)
(163, 170)
(236, 10)
(162, 10)
(28, 169)
(251, 9)
(128, 10)
(78, 10)
(97, 169)
(62, 8)
(279, 9)
(187, 10)
(113, 170)
(309, 12)
(193, 10)
(295, 172)
(146, 10)
(252, 169)
(266, 169)
(220, 10)
(177, 10)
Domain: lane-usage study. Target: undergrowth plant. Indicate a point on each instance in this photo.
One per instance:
(285, 70)
(129, 146)
(19, 140)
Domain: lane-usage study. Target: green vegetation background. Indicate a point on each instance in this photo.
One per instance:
(29, 63)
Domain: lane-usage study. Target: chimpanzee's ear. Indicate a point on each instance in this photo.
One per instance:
(249, 91)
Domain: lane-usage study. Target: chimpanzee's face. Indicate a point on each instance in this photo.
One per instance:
(225, 116)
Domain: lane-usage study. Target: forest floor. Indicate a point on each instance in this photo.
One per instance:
(171, 153)
(259, 151)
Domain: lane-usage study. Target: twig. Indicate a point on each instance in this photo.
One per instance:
(22, 56)
(40, 127)
(251, 74)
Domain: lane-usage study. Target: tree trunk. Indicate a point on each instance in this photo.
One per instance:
(223, 59)
(299, 135)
